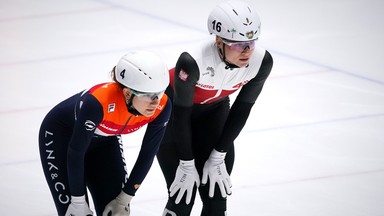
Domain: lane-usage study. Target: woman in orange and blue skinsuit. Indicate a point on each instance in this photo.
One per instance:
(80, 138)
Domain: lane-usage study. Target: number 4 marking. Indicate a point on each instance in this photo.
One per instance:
(122, 74)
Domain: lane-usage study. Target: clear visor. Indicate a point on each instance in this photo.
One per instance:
(239, 45)
(146, 96)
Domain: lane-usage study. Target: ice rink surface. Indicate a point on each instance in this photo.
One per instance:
(313, 145)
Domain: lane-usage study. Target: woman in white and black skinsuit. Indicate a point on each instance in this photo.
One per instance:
(199, 141)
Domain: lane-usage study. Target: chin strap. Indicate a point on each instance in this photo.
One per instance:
(132, 109)
(222, 55)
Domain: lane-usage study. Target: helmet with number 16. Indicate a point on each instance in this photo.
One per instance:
(235, 21)
(143, 71)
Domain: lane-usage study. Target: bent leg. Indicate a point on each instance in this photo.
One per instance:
(168, 161)
(53, 144)
(217, 205)
(105, 170)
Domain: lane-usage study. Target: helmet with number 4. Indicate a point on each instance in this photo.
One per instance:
(143, 71)
(234, 20)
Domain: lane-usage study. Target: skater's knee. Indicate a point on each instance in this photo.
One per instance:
(214, 207)
(180, 209)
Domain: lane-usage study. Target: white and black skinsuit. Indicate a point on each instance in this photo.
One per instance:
(202, 118)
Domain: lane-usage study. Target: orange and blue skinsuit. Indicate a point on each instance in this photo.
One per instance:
(81, 146)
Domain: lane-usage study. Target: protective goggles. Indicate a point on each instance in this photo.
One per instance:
(148, 96)
(239, 45)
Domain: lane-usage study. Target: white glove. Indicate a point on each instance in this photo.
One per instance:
(78, 207)
(119, 206)
(185, 179)
(215, 169)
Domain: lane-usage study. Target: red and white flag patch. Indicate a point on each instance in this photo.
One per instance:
(183, 75)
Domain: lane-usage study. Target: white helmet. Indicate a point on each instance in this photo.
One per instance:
(142, 71)
(234, 20)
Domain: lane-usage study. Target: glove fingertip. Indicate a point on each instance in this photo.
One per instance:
(223, 193)
(172, 193)
(178, 199)
(172, 187)
(106, 212)
(204, 180)
(188, 199)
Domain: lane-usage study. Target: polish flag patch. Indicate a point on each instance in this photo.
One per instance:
(183, 75)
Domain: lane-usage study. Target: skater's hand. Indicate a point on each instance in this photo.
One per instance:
(118, 206)
(78, 207)
(185, 179)
(216, 171)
